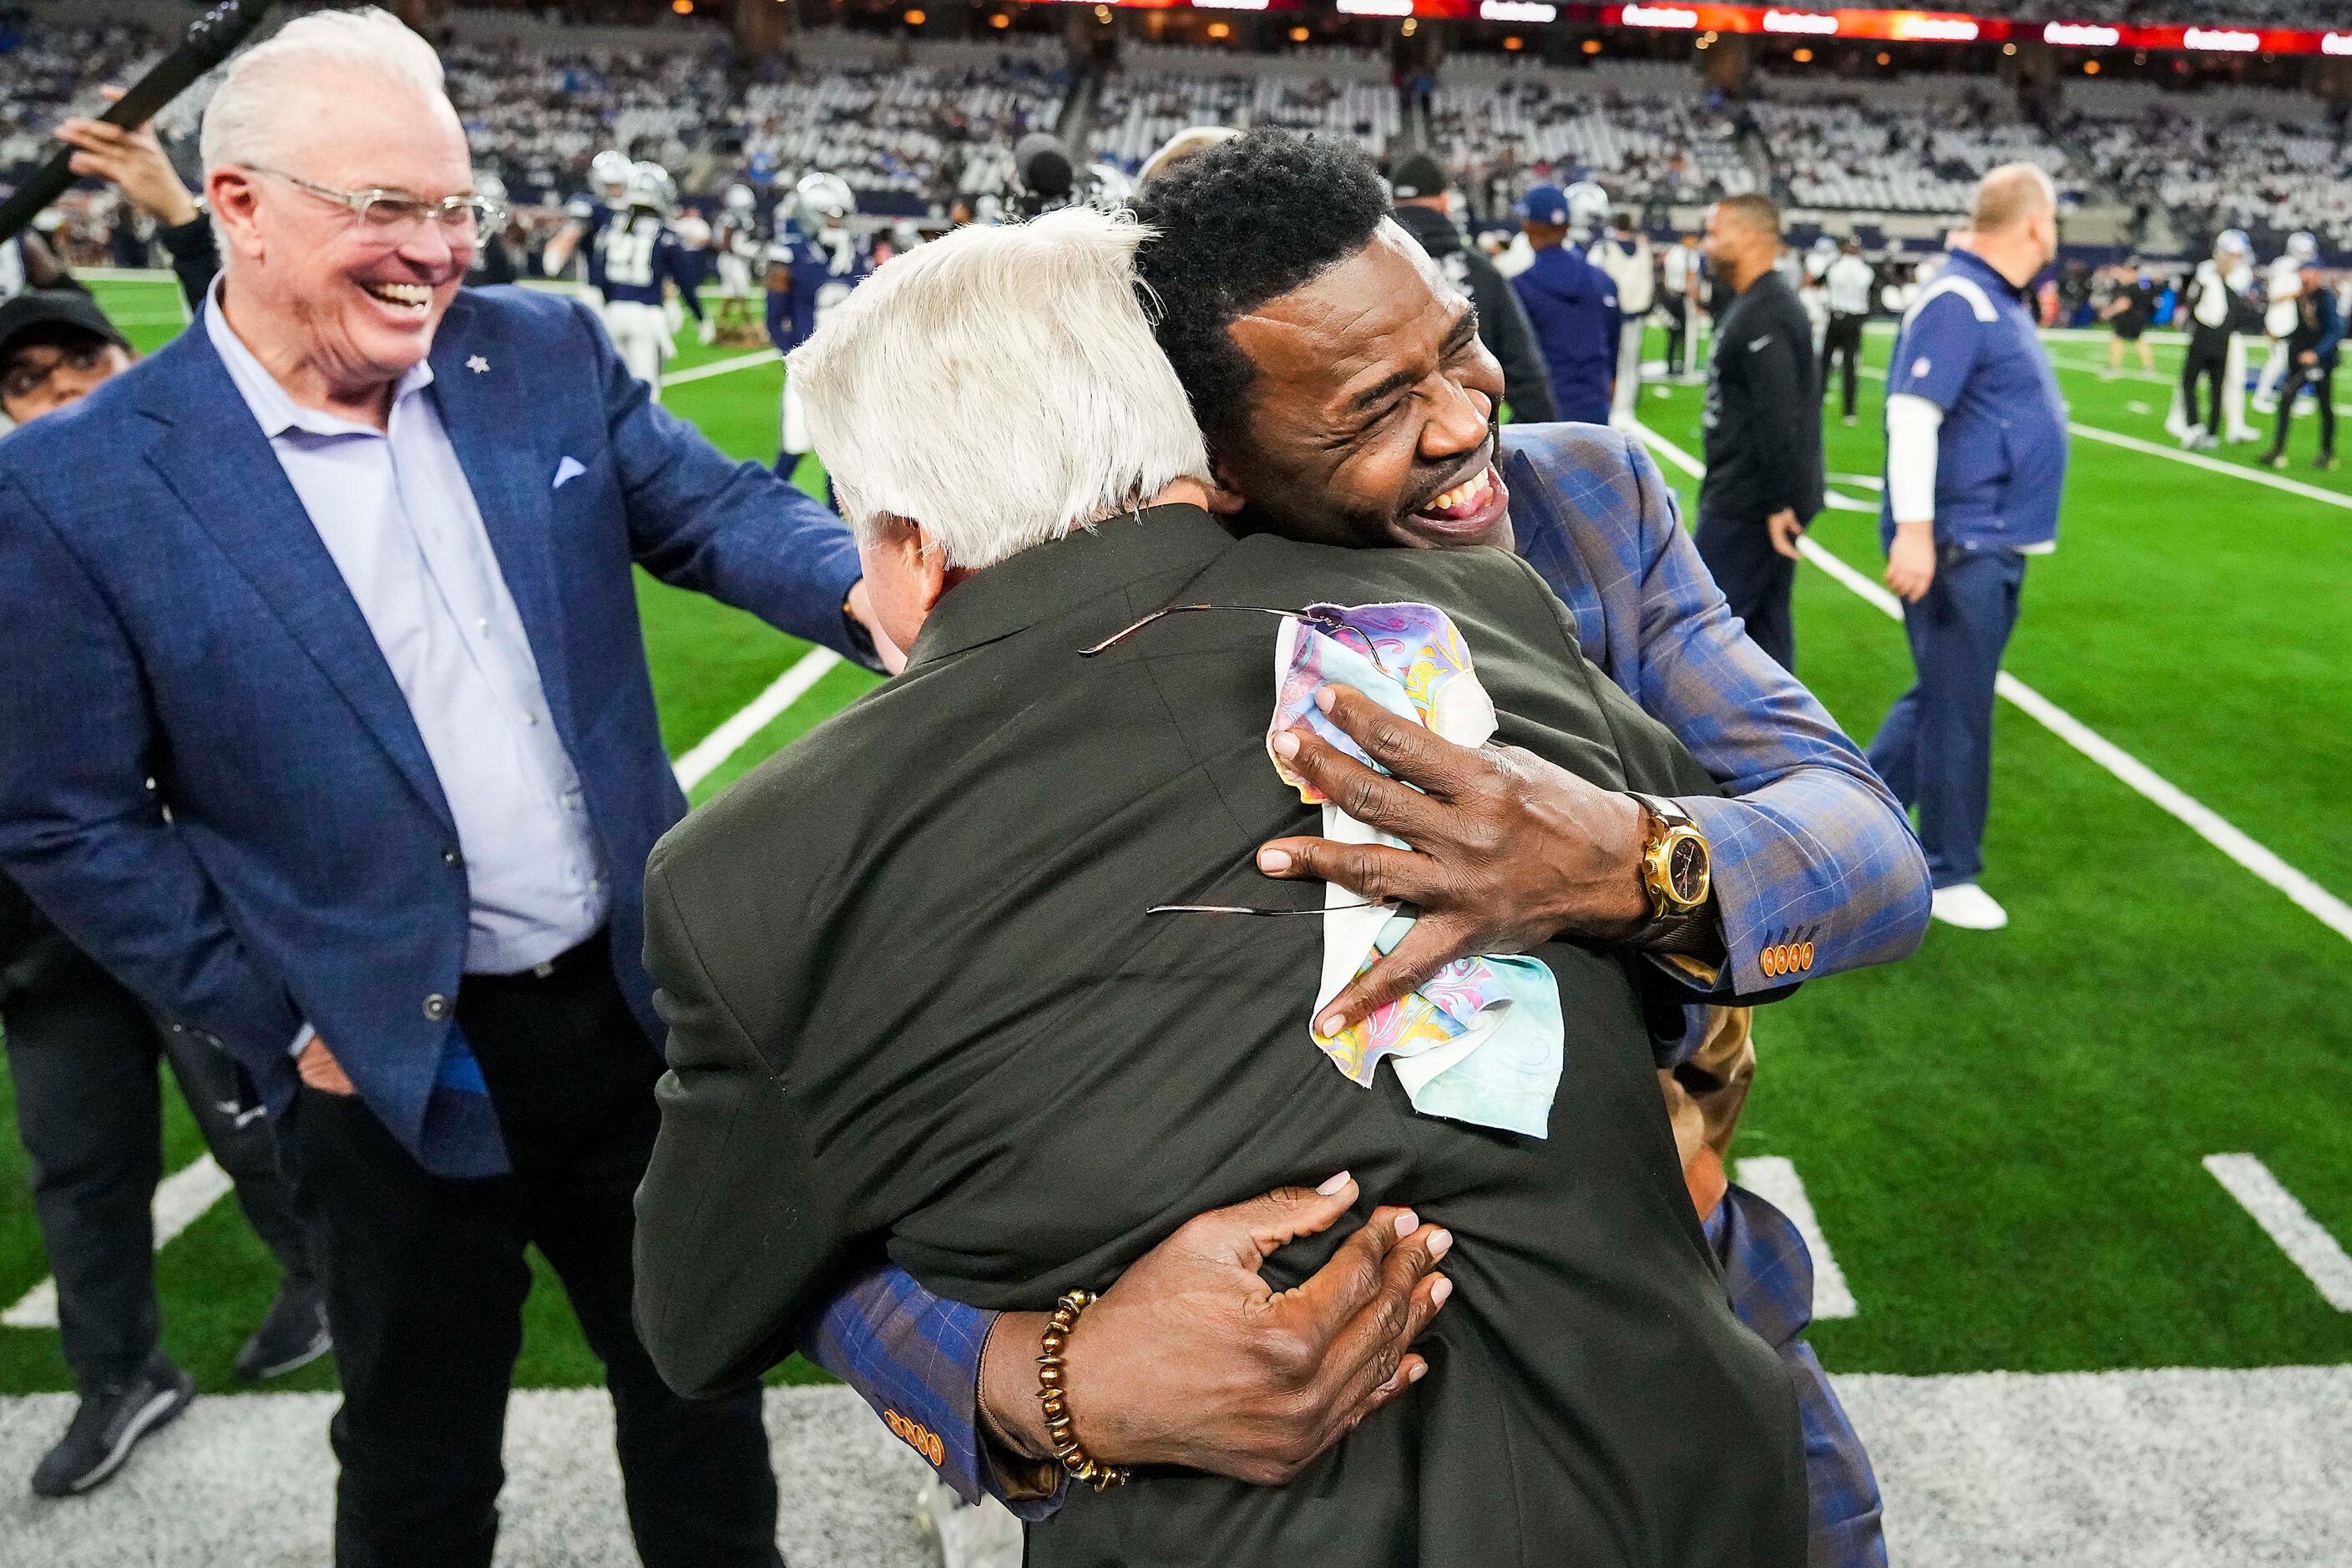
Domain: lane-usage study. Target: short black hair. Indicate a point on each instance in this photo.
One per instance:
(1238, 224)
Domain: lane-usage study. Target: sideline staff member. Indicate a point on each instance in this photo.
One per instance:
(1763, 425)
(1848, 282)
(1976, 455)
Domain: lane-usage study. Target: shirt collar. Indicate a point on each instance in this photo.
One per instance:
(1969, 261)
(275, 411)
(1050, 580)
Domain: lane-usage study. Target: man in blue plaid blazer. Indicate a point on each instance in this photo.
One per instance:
(1815, 868)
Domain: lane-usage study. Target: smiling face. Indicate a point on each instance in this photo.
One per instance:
(1371, 416)
(333, 309)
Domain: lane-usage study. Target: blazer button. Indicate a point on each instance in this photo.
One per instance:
(437, 1006)
(452, 859)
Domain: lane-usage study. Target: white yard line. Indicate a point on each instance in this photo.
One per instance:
(2303, 1239)
(2194, 460)
(179, 1198)
(731, 737)
(2203, 820)
(1776, 1181)
(721, 367)
(2212, 465)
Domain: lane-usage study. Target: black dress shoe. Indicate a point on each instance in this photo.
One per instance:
(292, 1333)
(109, 1425)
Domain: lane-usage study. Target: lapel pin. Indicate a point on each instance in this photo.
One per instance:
(477, 365)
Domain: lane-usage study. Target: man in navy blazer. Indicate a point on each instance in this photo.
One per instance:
(331, 735)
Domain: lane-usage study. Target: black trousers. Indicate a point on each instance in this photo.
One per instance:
(426, 1275)
(1756, 579)
(1843, 338)
(2321, 379)
(83, 1053)
(1678, 326)
(2209, 358)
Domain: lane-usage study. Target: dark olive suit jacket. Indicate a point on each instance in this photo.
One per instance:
(916, 1005)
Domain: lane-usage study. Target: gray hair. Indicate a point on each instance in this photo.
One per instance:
(242, 124)
(1001, 386)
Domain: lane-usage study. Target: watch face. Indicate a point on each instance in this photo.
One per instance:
(1687, 870)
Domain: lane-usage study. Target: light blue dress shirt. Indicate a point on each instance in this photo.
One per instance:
(394, 509)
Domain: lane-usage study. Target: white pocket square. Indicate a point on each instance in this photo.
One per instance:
(568, 469)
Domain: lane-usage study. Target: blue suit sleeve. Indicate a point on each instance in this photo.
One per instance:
(915, 1356)
(733, 530)
(1936, 352)
(79, 828)
(1808, 844)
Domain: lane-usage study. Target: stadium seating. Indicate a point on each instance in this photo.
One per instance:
(1885, 157)
(934, 133)
(1160, 90)
(1515, 129)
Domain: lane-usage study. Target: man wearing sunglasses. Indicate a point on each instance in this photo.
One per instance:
(355, 593)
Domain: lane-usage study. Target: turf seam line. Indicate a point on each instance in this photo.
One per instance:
(721, 367)
(180, 1200)
(1774, 1179)
(714, 748)
(2202, 819)
(2303, 1239)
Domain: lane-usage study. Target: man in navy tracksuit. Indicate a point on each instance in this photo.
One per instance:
(2318, 334)
(1573, 306)
(1975, 458)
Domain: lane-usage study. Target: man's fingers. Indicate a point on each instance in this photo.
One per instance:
(1368, 870)
(1413, 752)
(1434, 941)
(1357, 1279)
(1370, 1351)
(1362, 792)
(1245, 1233)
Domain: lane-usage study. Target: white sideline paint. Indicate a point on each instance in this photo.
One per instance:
(2303, 1239)
(721, 367)
(2202, 819)
(2172, 1467)
(2194, 460)
(187, 1194)
(1775, 1179)
(179, 1198)
(731, 737)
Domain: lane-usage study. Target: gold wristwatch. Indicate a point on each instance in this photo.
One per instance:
(1675, 865)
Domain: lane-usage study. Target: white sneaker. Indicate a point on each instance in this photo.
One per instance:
(1968, 907)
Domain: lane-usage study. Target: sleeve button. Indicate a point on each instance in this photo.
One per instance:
(437, 1007)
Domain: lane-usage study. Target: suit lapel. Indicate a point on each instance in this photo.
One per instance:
(215, 458)
(477, 385)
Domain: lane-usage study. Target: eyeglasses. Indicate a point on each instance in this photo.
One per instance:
(395, 216)
(25, 375)
(1327, 622)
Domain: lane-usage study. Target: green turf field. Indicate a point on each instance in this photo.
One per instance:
(2002, 1137)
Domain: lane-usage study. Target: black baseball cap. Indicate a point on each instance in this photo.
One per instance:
(54, 307)
(1417, 176)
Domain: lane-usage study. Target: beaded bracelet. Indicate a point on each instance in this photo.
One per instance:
(1058, 1430)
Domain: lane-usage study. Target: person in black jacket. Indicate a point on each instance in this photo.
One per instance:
(1763, 425)
(2312, 349)
(1425, 210)
(131, 158)
(82, 1055)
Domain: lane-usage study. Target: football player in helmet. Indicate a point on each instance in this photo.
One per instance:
(815, 261)
(642, 255)
(584, 220)
(738, 245)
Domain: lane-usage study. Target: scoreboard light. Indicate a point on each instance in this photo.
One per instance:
(1708, 18)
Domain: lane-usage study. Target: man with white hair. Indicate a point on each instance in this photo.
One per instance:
(1043, 833)
(331, 736)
